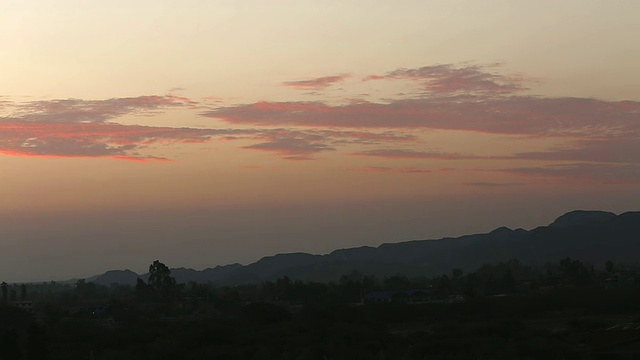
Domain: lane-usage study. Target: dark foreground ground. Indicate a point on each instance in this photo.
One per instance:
(562, 324)
(568, 310)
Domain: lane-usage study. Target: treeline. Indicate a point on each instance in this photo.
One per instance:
(505, 278)
(499, 318)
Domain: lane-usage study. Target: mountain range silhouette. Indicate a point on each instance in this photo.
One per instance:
(592, 236)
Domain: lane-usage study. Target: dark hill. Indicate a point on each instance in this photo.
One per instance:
(594, 236)
(582, 217)
(124, 277)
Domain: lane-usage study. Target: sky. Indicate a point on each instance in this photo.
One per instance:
(205, 133)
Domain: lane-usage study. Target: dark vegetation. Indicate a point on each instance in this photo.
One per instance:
(501, 311)
(396, 301)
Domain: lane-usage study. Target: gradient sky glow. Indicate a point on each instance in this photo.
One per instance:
(204, 133)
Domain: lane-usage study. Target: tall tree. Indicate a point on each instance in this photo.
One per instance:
(161, 281)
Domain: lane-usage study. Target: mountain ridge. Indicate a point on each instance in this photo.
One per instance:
(594, 236)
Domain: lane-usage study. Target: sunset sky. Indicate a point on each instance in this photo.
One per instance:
(204, 133)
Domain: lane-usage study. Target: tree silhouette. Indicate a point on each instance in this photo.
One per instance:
(609, 266)
(161, 281)
(5, 292)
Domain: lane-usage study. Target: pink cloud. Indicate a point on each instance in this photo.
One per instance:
(90, 139)
(94, 111)
(316, 83)
(513, 115)
(609, 131)
(84, 128)
(447, 78)
(466, 98)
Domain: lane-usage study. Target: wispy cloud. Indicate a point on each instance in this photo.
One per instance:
(617, 149)
(319, 83)
(413, 154)
(310, 141)
(609, 150)
(93, 111)
(291, 146)
(382, 169)
(93, 139)
(448, 78)
(87, 128)
(601, 138)
(474, 99)
(298, 158)
(494, 184)
(4, 103)
(213, 99)
(512, 115)
(583, 172)
(468, 98)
